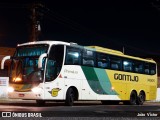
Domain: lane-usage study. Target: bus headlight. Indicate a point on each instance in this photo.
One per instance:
(17, 79)
(36, 90)
(10, 89)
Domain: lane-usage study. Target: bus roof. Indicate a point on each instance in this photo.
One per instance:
(119, 53)
(97, 48)
(106, 50)
(45, 42)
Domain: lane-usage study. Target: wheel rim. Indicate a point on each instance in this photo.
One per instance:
(141, 98)
(71, 98)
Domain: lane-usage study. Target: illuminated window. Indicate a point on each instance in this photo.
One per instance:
(73, 56)
(127, 65)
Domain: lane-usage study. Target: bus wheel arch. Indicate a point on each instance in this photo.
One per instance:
(141, 97)
(133, 97)
(71, 96)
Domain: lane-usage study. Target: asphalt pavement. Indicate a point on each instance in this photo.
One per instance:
(6, 100)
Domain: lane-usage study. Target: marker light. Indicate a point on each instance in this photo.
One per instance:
(36, 90)
(10, 89)
(112, 88)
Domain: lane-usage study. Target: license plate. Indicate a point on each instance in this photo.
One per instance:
(21, 95)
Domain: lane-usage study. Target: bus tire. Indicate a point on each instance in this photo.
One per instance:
(70, 96)
(141, 98)
(40, 102)
(133, 98)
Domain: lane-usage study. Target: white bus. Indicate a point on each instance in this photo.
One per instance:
(55, 70)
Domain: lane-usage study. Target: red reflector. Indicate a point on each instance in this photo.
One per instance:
(21, 95)
(60, 76)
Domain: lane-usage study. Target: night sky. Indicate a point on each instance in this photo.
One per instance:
(134, 25)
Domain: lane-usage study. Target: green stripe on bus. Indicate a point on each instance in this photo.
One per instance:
(104, 81)
(93, 80)
(98, 80)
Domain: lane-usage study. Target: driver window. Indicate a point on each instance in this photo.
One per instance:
(54, 63)
(51, 70)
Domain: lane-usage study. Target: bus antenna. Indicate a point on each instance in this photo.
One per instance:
(123, 49)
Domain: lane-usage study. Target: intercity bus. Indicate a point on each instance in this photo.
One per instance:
(61, 71)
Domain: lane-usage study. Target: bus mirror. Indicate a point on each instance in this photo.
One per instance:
(40, 60)
(3, 60)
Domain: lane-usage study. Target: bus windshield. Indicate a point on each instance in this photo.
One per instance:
(31, 50)
(24, 65)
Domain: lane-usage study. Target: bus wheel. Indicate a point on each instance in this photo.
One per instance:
(141, 98)
(70, 97)
(133, 98)
(40, 102)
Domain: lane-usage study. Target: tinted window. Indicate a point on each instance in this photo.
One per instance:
(138, 67)
(54, 62)
(102, 60)
(152, 69)
(31, 50)
(127, 65)
(146, 68)
(115, 63)
(88, 58)
(73, 56)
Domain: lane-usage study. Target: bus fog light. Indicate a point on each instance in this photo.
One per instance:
(36, 90)
(10, 89)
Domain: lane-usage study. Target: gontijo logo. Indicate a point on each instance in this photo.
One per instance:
(125, 77)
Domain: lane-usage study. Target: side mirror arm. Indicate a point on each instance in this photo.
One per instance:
(3, 61)
(40, 60)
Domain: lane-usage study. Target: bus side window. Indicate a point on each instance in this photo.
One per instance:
(146, 71)
(51, 70)
(69, 60)
(73, 56)
(88, 58)
(146, 68)
(102, 65)
(127, 65)
(102, 60)
(138, 67)
(115, 63)
(114, 66)
(152, 72)
(54, 63)
(152, 69)
(88, 62)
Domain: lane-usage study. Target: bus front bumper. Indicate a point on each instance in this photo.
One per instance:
(25, 95)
